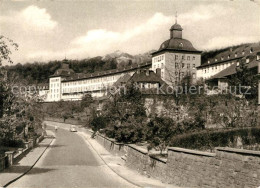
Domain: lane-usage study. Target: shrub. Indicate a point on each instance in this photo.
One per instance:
(208, 140)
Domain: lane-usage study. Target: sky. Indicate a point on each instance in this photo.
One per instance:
(53, 30)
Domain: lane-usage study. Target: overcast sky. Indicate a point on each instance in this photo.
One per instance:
(49, 30)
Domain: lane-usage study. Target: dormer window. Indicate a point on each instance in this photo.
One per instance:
(208, 61)
(237, 63)
(247, 60)
(181, 45)
(258, 57)
(243, 52)
(228, 56)
(216, 60)
(222, 58)
(235, 54)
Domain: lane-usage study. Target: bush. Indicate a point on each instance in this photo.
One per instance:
(12, 143)
(208, 140)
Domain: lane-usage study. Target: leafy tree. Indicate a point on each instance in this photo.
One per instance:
(86, 101)
(98, 123)
(245, 82)
(160, 132)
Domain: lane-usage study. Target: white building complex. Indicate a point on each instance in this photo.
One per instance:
(175, 58)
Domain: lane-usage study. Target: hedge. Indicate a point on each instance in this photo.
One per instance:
(208, 140)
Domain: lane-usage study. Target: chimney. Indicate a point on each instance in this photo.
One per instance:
(158, 72)
(147, 72)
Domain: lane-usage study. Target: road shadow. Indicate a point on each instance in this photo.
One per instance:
(22, 169)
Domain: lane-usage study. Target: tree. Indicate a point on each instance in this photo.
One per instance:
(245, 82)
(160, 132)
(86, 101)
(98, 123)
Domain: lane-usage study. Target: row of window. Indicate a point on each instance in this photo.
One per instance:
(55, 96)
(101, 79)
(235, 55)
(217, 67)
(55, 84)
(183, 65)
(158, 58)
(183, 57)
(55, 80)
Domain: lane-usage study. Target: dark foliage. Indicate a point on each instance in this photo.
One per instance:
(208, 140)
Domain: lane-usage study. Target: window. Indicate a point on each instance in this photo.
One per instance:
(247, 60)
(182, 65)
(188, 66)
(180, 45)
(228, 56)
(243, 52)
(193, 75)
(193, 58)
(251, 50)
(237, 63)
(193, 65)
(183, 57)
(216, 60)
(176, 65)
(235, 54)
(162, 65)
(208, 61)
(205, 70)
(176, 57)
(188, 58)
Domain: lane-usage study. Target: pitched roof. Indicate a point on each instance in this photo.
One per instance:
(122, 80)
(145, 76)
(233, 53)
(106, 73)
(232, 70)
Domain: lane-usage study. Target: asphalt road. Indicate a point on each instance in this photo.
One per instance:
(70, 162)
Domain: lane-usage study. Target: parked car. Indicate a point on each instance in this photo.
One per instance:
(73, 128)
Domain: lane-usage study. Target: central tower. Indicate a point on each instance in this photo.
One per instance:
(176, 57)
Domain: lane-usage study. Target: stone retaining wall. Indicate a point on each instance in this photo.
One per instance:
(112, 146)
(12, 157)
(226, 168)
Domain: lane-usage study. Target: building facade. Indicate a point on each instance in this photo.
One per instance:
(176, 57)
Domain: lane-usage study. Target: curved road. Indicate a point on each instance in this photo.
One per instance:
(70, 162)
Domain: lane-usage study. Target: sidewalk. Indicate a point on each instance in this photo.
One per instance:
(26, 163)
(116, 164)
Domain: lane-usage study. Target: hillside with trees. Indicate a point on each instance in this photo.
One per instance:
(39, 72)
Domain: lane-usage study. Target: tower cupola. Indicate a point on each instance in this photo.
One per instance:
(176, 30)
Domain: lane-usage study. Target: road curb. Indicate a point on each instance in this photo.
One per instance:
(24, 173)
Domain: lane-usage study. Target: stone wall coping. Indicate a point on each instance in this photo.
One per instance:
(240, 151)
(10, 152)
(158, 159)
(137, 148)
(194, 152)
(110, 139)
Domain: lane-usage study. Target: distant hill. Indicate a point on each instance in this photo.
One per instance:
(39, 72)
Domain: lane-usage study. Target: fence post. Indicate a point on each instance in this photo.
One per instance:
(10, 155)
